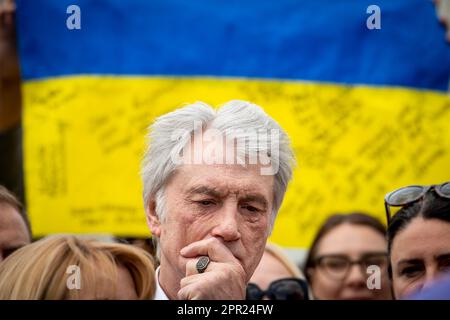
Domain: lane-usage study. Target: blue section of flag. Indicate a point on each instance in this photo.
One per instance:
(316, 40)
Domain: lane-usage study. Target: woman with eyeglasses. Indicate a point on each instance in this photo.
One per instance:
(277, 278)
(348, 259)
(418, 237)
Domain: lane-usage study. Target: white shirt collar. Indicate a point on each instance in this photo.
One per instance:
(159, 293)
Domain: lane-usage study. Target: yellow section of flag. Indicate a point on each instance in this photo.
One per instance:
(85, 136)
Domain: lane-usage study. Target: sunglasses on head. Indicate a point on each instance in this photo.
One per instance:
(408, 195)
(282, 289)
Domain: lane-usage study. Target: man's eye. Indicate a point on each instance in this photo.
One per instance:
(412, 272)
(250, 208)
(205, 203)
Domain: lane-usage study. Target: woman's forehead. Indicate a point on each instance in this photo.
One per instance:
(351, 239)
(421, 239)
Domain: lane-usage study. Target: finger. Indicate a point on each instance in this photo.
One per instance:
(188, 280)
(191, 266)
(194, 290)
(185, 293)
(211, 247)
(212, 285)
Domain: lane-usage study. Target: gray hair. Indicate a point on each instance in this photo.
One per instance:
(233, 116)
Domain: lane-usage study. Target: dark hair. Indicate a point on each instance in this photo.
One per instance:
(431, 206)
(334, 221)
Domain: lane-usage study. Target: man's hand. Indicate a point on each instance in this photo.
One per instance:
(223, 279)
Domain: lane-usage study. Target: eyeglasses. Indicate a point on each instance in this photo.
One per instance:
(338, 266)
(282, 289)
(408, 195)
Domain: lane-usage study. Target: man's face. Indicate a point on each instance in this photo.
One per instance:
(13, 231)
(229, 202)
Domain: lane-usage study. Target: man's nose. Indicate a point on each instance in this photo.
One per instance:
(227, 224)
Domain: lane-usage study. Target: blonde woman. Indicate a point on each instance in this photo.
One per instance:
(277, 278)
(66, 267)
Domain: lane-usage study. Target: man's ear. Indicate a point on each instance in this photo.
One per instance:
(152, 219)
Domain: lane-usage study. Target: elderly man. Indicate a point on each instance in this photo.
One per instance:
(213, 184)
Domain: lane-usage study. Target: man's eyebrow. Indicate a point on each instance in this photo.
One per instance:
(256, 198)
(216, 193)
(205, 190)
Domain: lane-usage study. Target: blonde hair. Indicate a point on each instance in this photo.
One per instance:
(277, 252)
(38, 271)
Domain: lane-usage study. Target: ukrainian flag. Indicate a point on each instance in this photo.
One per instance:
(366, 108)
